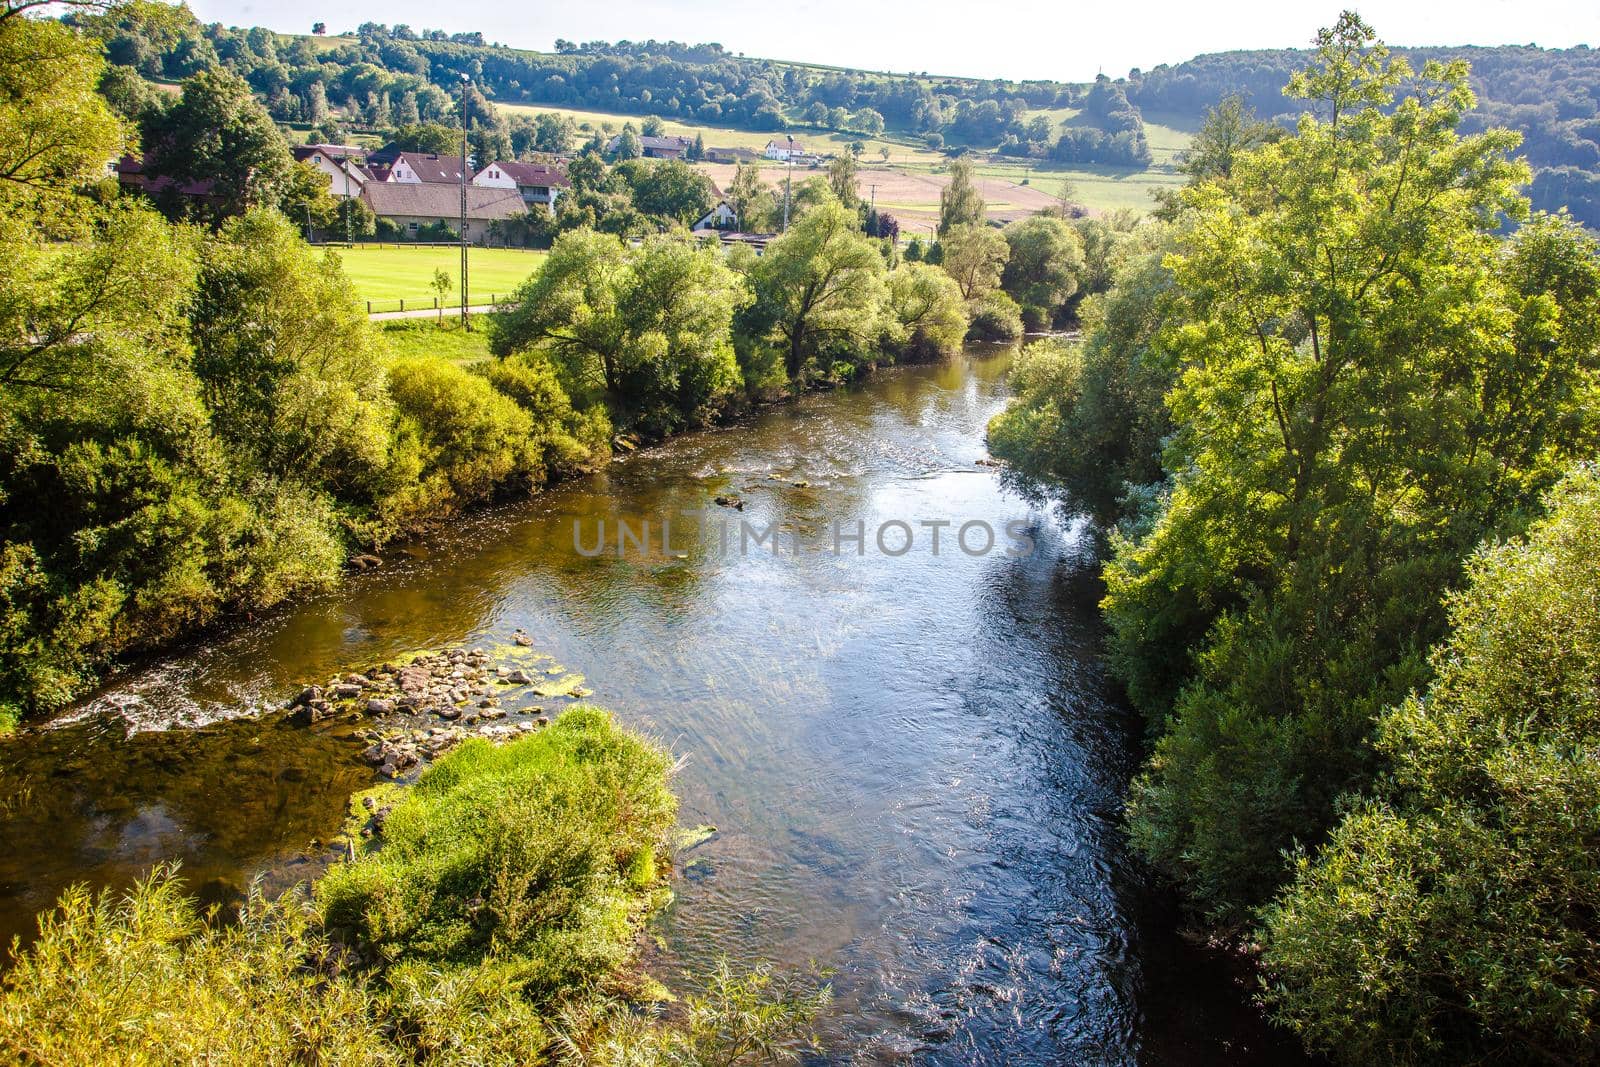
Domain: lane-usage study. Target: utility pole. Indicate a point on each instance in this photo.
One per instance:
(788, 181)
(344, 165)
(465, 120)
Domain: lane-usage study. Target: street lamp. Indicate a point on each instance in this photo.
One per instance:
(465, 82)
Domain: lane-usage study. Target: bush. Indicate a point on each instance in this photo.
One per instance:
(1450, 919)
(539, 857)
(926, 318)
(995, 317)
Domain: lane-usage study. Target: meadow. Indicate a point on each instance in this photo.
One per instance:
(387, 274)
(910, 179)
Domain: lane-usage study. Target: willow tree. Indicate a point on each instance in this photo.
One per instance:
(820, 287)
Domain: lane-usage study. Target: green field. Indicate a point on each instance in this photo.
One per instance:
(386, 274)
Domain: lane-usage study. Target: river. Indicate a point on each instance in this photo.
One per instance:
(914, 762)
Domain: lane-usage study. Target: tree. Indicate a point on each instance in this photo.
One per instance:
(56, 132)
(820, 286)
(925, 314)
(653, 127)
(960, 203)
(868, 121)
(1043, 267)
(319, 28)
(286, 359)
(649, 327)
(975, 256)
(752, 200)
(842, 180)
(628, 145)
(218, 133)
(1229, 129)
(1447, 920)
(556, 132)
(697, 150)
(1347, 328)
(671, 189)
(441, 285)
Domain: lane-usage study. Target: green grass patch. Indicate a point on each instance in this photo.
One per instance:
(537, 857)
(386, 274)
(444, 339)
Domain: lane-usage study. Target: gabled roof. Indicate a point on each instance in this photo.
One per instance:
(432, 168)
(533, 173)
(788, 142)
(135, 175)
(332, 151)
(668, 144)
(434, 200)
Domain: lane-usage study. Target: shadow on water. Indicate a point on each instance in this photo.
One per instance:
(913, 761)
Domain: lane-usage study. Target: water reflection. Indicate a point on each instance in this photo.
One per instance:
(913, 762)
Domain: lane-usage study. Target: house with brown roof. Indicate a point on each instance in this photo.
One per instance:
(787, 150)
(538, 183)
(341, 163)
(732, 155)
(411, 206)
(413, 168)
(655, 147)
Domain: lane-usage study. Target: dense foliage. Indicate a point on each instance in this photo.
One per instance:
(1332, 376)
(495, 912)
(1449, 918)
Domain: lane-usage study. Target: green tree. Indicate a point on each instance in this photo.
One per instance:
(819, 286)
(1345, 318)
(975, 256)
(648, 327)
(842, 180)
(628, 145)
(288, 364)
(1229, 129)
(960, 203)
(218, 133)
(1448, 919)
(925, 316)
(1043, 269)
(672, 189)
(56, 131)
(752, 200)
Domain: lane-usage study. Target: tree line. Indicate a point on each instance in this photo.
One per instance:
(1342, 427)
(393, 76)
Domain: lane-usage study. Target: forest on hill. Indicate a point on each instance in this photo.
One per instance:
(392, 76)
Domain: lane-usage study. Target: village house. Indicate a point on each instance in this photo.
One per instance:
(655, 147)
(413, 168)
(732, 155)
(787, 150)
(412, 206)
(341, 163)
(721, 217)
(537, 183)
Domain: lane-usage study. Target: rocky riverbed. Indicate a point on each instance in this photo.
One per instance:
(421, 705)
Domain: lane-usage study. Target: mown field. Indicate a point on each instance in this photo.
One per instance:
(386, 274)
(909, 182)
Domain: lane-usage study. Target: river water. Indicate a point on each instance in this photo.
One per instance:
(914, 761)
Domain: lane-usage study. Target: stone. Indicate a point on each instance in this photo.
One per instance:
(379, 706)
(306, 696)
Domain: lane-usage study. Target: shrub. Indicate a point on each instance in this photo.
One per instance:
(1450, 919)
(539, 856)
(995, 317)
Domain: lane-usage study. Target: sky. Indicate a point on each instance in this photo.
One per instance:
(1013, 39)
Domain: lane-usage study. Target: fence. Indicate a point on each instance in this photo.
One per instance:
(378, 307)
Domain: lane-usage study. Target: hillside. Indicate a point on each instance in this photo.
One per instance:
(1098, 135)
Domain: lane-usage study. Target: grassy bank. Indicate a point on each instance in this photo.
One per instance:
(437, 338)
(490, 918)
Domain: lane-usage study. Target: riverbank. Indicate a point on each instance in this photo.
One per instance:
(915, 769)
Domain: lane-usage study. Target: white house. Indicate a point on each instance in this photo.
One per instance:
(341, 163)
(721, 217)
(785, 151)
(538, 183)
